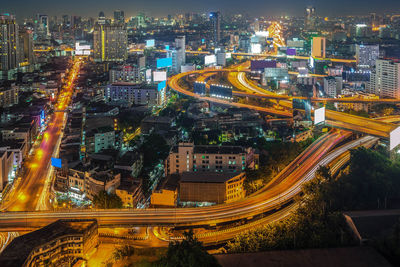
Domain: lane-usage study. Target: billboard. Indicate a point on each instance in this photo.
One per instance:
(199, 88)
(394, 138)
(164, 62)
(220, 91)
(82, 50)
(291, 52)
(210, 59)
(161, 85)
(150, 43)
(319, 115)
(255, 48)
(159, 76)
(55, 162)
(260, 65)
(302, 112)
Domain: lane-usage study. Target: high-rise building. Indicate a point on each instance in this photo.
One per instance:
(180, 45)
(310, 18)
(9, 43)
(175, 54)
(215, 18)
(119, 16)
(42, 26)
(26, 54)
(110, 42)
(318, 47)
(367, 55)
(102, 18)
(385, 80)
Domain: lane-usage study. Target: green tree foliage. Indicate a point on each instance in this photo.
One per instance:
(104, 200)
(187, 253)
(370, 181)
(123, 252)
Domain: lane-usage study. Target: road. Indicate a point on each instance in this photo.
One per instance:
(31, 193)
(279, 191)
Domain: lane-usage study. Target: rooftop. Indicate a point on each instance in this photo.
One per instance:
(207, 177)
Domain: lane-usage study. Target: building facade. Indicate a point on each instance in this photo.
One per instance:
(110, 42)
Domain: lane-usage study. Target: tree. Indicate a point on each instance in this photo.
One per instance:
(187, 253)
(104, 200)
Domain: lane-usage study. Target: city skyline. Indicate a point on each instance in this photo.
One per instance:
(158, 8)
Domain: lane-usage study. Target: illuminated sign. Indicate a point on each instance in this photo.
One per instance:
(210, 59)
(55, 162)
(159, 76)
(319, 115)
(150, 43)
(394, 138)
(161, 85)
(164, 62)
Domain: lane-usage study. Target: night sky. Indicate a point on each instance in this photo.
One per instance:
(27, 8)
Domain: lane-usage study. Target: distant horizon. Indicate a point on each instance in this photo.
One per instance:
(158, 8)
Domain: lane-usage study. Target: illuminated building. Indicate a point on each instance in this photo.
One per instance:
(213, 188)
(119, 16)
(42, 26)
(186, 157)
(180, 45)
(110, 42)
(318, 47)
(6, 167)
(127, 73)
(53, 244)
(132, 93)
(366, 55)
(8, 96)
(215, 18)
(310, 17)
(385, 80)
(26, 47)
(8, 43)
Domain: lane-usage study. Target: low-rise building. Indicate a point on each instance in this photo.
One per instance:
(8, 96)
(6, 167)
(130, 193)
(53, 243)
(186, 157)
(213, 188)
(95, 182)
(166, 193)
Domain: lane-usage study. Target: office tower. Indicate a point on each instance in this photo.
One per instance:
(180, 45)
(367, 55)
(310, 18)
(119, 16)
(8, 43)
(175, 54)
(221, 58)
(110, 42)
(42, 26)
(26, 46)
(141, 20)
(318, 47)
(215, 18)
(66, 21)
(102, 18)
(385, 80)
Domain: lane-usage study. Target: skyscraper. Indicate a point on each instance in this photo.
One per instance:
(385, 80)
(26, 46)
(9, 58)
(367, 55)
(180, 44)
(42, 26)
(110, 42)
(119, 16)
(318, 47)
(215, 18)
(310, 17)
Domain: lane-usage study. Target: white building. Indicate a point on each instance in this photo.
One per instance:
(127, 73)
(333, 86)
(180, 45)
(385, 80)
(221, 59)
